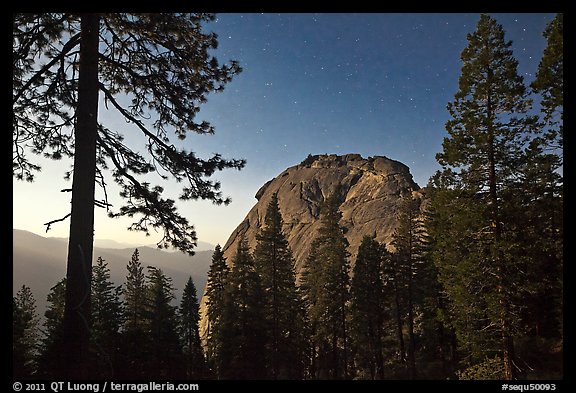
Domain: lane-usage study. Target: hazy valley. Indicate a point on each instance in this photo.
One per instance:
(39, 262)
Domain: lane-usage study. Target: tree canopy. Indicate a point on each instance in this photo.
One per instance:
(154, 70)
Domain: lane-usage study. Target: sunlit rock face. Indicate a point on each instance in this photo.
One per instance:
(370, 191)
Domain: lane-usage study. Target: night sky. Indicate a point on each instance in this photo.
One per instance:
(373, 84)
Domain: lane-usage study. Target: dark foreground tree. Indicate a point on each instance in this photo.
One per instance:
(164, 356)
(25, 333)
(189, 316)
(154, 70)
(134, 332)
(215, 291)
(241, 354)
(367, 313)
(549, 83)
(283, 307)
(325, 285)
(413, 269)
(107, 315)
(50, 361)
(437, 320)
(487, 133)
(543, 205)
(135, 295)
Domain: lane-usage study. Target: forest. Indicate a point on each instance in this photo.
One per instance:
(471, 287)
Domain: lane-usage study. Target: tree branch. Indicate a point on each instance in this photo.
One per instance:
(134, 120)
(65, 49)
(20, 53)
(48, 224)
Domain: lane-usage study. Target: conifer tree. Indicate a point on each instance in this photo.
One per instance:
(189, 315)
(458, 236)
(542, 206)
(367, 313)
(392, 281)
(438, 311)
(165, 358)
(51, 362)
(242, 344)
(413, 268)
(327, 286)
(25, 333)
(282, 304)
(135, 294)
(310, 289)
(487, 133)
(152, 69)
(215, 290)
(549, 83)
(136, 324)
(107, 318)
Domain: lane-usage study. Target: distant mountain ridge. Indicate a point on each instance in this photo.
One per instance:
(40, 262)
(109, 243)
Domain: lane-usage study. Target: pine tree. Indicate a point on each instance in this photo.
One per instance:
(367, 313)
(242, 351)
(25, 333)
(543, 204)
(282, 305)
(310, 289)
(534, 239)
(458, 236)
(165, 358)
(487, 132)
(438, 312)
(549, 83)
(414, 269)
(51, 362)
(215, 290)
(107, 318)
(135, 294)
(189, 314)
(392, 281)
(135, 328)
(158, 62)
(326, 287)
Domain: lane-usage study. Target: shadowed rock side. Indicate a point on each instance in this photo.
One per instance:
(369, 189)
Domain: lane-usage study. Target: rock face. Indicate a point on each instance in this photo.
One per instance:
(370, 191)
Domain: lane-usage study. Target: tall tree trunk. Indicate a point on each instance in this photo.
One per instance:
(334, 365)
(507, 342)
(76, 325)
(402, 356)
(191, 359)
(441, 337)
(275, 368)
(313, 352)
(379, 355)
(371, 349)
(411, 340)
(344, 335)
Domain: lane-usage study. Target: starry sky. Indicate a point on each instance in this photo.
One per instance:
(373, 84)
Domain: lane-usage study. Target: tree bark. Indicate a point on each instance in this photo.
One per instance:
(344, 335)
(76, 325)
(275, 368)
(411, 339)
(507, 341)
(379, 355)
(402, 355)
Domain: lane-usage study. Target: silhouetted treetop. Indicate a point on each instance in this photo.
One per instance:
(154, 70)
